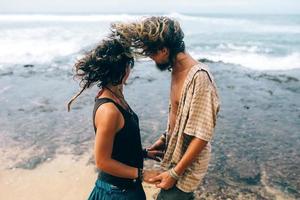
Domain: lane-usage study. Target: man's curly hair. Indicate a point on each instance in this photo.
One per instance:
(151, 34)
(105, 64)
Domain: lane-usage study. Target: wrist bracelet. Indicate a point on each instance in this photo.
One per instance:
(173, 174)
(145, 153)
(140, 174)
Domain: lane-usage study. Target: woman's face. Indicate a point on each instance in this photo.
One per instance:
(128, 70)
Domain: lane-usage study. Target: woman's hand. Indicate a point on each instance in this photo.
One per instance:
(155, 155)
(160, 144)
(148, 174)
(156, 150)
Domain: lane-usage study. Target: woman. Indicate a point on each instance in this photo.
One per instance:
(118, 149)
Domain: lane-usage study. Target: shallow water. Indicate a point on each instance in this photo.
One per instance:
(258, 132)
(33, 112)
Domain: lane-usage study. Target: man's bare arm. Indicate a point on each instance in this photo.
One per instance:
(194, 149)
(164, 180)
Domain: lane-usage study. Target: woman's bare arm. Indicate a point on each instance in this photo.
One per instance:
(109, 121)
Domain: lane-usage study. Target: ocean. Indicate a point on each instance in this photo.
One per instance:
(260, 42)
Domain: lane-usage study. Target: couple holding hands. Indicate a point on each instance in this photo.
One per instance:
(184, 149)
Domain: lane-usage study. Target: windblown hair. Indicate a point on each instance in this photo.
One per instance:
(103, 65)
(151, 34)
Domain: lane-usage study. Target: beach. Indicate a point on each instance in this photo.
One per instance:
(65, 178)
(47, 152)
(255, 150)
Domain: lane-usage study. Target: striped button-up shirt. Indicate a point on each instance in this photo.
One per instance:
(196, 117)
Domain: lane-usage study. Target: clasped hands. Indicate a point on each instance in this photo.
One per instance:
(161, 179)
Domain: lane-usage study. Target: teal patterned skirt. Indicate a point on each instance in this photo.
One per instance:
(106, 191)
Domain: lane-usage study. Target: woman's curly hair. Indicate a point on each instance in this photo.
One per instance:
(105, 64)
(151, 34)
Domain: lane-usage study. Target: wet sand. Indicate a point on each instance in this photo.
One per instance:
(61, 178)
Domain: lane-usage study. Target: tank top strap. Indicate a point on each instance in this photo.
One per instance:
(99, 102)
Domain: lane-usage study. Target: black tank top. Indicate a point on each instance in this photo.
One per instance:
(127, 146)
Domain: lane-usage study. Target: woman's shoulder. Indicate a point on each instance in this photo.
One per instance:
(106, 107)
(108, 115)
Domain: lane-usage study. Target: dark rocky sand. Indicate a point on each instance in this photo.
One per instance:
(256, 151)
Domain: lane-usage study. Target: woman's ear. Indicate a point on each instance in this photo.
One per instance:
(165, 51)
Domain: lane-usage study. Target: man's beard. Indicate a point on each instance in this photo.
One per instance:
(163, 66)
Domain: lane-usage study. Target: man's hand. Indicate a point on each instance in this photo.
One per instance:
(165, 181)
(148, 174)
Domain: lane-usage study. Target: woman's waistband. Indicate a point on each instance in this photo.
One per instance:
(121, 183)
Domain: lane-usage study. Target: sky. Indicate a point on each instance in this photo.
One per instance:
(151, 6)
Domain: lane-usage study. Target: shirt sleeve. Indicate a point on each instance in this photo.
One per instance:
(203, 109)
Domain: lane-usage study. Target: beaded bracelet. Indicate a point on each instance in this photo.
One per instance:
(140, 177)
(173, 174)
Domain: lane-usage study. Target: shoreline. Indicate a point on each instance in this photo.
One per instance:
(72, 177)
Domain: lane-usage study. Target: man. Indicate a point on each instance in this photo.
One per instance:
(193, 106)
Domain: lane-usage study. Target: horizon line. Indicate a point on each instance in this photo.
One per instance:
(141, 13)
